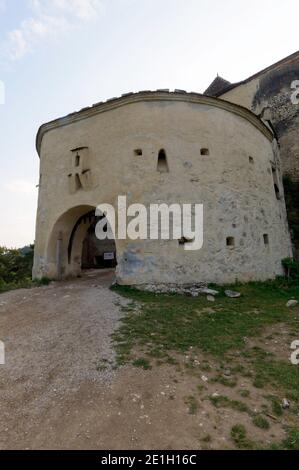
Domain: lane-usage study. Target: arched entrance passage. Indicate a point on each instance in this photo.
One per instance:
(73, 244)
(97, 254)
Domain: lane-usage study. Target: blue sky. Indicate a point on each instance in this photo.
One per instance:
(58, 56)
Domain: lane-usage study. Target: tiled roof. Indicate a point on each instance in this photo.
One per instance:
(217, 86)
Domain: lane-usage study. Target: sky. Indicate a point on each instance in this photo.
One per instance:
(58, 56)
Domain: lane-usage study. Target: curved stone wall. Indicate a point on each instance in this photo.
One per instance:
(218, 154)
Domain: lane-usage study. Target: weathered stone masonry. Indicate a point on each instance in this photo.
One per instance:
(213, 152)
(268, 94)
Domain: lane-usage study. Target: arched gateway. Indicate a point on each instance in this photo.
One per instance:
(72, 244)
(213, 153)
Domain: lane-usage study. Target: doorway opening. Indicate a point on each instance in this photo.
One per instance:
(73, 245)
(97, 254)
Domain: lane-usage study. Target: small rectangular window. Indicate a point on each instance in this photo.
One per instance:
(230, 241)
(138, 152)
(204, 151)
(266, 239)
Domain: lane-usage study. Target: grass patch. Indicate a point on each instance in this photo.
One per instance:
(227, 382)
(261, 422)
(276, 407)
(142, 362)
(193, 405)
(164, 326)
(239, 436)
(290, 443)
(244, 393)
(222, 401)
(26, 283)
(280, 374)
(177, 323)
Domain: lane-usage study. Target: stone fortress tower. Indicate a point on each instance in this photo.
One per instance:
(268, 94)
(164, 147)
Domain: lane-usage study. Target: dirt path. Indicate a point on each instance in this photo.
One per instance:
(54, 337)
(55, 394)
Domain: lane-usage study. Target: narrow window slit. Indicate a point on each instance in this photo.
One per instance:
(275, 183)
(266, 239)
(162, 166)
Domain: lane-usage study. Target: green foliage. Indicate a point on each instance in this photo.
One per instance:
(15, 268)
(221, 401)
(275, 405)
(44, 281)
(261, 422)
(142, 362)
(290, 443)
(280, 374)
(228, 382)
(164, 325)
(291, 192)
(244, 393)
(239, 436)
(292, 440)
(291, 267)
(167, 323)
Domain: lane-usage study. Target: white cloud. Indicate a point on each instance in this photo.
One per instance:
(49, 18)
(21, 187)
(82, 9)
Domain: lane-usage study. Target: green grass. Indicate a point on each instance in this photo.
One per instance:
(176, 323)
(244, 393)
(168, 324)
(142, 362)
(261, 422)
(276, 407)
(26, 283)
(227, 382)
(280, 374)
(290, 443)
(221, 401)
(239, 437)
(164, 327)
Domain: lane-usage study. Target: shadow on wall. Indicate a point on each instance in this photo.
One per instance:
(291, 193)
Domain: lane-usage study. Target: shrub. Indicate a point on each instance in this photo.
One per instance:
(15, 267)
(291, 267)
(261, 422)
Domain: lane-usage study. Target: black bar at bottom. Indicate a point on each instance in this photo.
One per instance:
(135, 459)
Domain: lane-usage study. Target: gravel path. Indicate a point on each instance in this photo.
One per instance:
(55, 337)
(54, 395)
